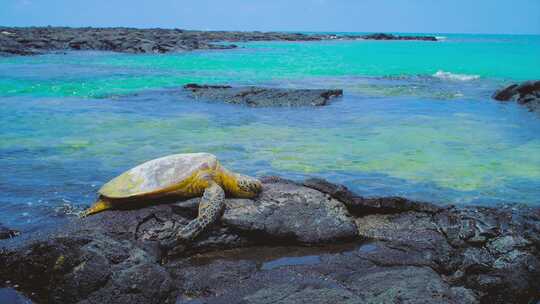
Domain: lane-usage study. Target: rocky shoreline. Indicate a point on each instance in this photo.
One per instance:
(40, 40)
(310, 242)
(253, 96)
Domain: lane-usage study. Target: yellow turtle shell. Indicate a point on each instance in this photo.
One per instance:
(159, 176)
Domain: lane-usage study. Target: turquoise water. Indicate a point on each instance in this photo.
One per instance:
(416, 120)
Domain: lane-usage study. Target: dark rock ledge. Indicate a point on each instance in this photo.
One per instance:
(262, 97)
(314, 242)
(526, 93)
(39, 40)
(383, 36)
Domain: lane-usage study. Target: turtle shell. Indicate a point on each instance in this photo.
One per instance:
(157, 175)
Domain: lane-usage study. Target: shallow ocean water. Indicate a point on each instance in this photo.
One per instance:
(12, 296)
(416, 120)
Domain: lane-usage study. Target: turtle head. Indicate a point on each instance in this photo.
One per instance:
(242, 186)
(247, 186)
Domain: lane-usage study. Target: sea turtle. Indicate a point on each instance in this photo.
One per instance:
(178, 176)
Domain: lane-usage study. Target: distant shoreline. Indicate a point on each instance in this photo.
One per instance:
(42, 40)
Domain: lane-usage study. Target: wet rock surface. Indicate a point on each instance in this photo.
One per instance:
(526, 93)
(310, 242)
(39, 40)
(262, 97)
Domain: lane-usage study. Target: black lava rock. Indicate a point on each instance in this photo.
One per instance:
(39, 40)
(262, 97)
(526, 93)
(361, 250)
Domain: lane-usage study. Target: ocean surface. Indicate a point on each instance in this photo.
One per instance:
(416, 120)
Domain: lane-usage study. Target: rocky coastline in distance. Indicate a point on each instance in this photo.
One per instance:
(41, 40)
(309, 242)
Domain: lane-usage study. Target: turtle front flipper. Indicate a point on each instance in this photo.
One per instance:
(210, 210)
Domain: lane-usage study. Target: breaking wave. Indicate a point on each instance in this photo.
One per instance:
(458, 77)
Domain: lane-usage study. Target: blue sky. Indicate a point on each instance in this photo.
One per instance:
(440, 16)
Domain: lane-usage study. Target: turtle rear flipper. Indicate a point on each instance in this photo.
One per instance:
(100, 205)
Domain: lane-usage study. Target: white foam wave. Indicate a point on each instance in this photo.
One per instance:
(441, 38)
(457, 77)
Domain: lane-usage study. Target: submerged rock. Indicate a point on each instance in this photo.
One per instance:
(6, 233)
(526, 93)
(361, 250)
(262, 97)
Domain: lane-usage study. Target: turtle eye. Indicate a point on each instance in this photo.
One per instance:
(206, 175)
(253, 187)
(244, 186)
